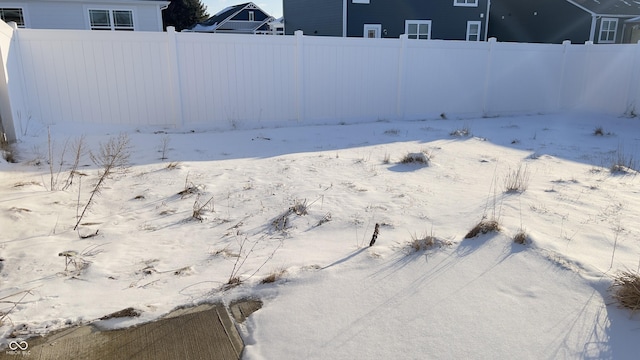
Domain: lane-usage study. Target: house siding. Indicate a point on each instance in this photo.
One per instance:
(74, 15)
(540, 21)
(244, 15)
(449, 22)
(313, 17)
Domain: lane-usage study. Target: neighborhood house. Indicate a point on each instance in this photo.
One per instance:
(245, 18)
(117, 15)
(553, 21)
(419, 19)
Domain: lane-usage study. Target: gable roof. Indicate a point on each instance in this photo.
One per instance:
(609, 7)
(223, 20)
(224, 14)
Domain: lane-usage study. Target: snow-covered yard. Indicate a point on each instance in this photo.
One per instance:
(301, 204)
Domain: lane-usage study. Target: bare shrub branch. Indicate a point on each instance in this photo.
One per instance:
(113, 155)
(79, 151)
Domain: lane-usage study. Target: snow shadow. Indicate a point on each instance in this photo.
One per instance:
(566, 136)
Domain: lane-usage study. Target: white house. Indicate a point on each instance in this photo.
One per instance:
(124, 15)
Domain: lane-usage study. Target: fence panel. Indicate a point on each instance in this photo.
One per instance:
(96, 77)
(524, 78)
(349, 79)
(237, 80)
(229, 81)
(444, 77)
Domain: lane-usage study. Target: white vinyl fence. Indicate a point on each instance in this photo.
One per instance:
(247, 81)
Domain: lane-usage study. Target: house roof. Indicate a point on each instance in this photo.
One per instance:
(223, 15)
(221, 20)
(609, 7)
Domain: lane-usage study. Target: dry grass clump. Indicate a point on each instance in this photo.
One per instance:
(200, 208)
(521, 238)
(517, 180)
(483, 227)
(422, 157)
(626, 290)
(281, 223)
(426, 242)
(274, 276)
(6, 150)
(462, 132)
(622, 163)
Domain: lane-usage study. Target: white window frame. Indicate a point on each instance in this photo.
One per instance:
(112, 25)
(375, 27)
(360, 1)
(467, 3)
(417, 22)
(602, 38)
(252, 16)
(469, 34)
(23, 7)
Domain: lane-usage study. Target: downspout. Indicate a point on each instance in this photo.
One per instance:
(344, 18)
(160, 10)
(592, 33)
(486, 24)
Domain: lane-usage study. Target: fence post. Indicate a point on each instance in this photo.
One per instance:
(561, 87)
(586, 76)
(174, 73)
(300, 96)
(633, 95)
(7, 119)
(400, 100)
(485, 102)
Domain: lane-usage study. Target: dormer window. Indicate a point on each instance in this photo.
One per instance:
(252, 16)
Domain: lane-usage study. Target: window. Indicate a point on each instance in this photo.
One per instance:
(252, 16)
(418, 29)
(12, 14)
(360, 1)
(372, 31)
(111, 19)
(473, 3)
(473, 30)
(608, 28)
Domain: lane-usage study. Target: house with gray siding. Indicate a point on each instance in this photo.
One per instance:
(419, 19)
(553, 21)
(116, 15)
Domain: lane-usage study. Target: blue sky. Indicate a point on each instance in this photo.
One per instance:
(272, 7)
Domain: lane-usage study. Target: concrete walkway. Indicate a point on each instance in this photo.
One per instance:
(204, 332)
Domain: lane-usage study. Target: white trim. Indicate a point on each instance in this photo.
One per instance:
(486, 20)
(469, 24)
(88, 8)
(417, 22)
(377, 28)
(465, 3)
(360, 1)
(602, 32)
